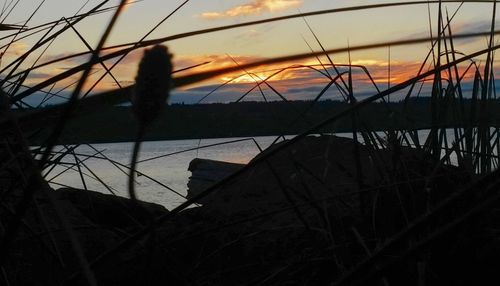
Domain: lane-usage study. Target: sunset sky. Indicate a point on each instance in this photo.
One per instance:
(248, 44)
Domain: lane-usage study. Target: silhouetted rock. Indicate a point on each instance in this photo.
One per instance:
(110, 210)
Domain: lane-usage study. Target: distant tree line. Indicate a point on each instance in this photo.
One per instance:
(218, 120)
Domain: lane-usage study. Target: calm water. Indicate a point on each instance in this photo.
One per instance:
(170, 170)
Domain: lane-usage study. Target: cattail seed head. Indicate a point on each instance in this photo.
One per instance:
(152, 84)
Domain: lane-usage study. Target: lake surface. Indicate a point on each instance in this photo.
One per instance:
(169, 170)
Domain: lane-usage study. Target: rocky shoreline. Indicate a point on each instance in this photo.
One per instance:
(303, 216)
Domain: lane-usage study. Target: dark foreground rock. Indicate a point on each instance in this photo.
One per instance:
(311, 214)
(109, 210)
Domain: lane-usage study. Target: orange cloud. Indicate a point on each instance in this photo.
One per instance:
(307, 75)
(298, 80)
(254, 7)
(298, 72)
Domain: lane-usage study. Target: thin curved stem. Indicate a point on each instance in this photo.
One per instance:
(133, 163)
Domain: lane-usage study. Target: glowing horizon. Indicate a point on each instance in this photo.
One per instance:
(250, 44)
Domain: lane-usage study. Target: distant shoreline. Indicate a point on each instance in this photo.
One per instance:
(249, 119)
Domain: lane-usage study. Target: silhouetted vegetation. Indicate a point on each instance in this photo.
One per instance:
(386, 207)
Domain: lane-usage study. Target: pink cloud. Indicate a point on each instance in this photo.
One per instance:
(254, 7)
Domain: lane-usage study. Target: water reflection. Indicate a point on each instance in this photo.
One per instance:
(170, 170)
